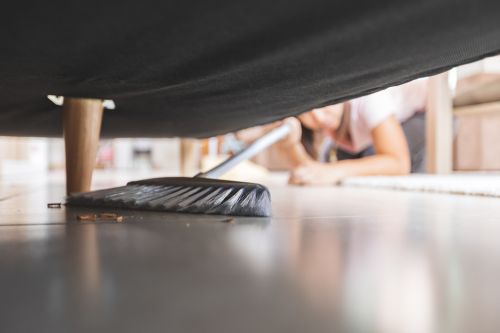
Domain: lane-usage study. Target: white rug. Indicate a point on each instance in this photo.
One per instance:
(465, 184)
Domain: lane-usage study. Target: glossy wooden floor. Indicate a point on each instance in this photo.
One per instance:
(330, 260)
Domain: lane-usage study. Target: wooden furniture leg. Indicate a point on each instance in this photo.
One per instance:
(439, 126)
(190, 157)
(82, 126)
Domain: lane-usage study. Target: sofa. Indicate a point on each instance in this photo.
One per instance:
(199, 68)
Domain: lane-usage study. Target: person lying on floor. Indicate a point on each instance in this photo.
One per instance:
(379, 134)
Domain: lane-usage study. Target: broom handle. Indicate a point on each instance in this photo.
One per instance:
(248, 152)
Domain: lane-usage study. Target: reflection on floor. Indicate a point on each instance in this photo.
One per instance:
(330, 260)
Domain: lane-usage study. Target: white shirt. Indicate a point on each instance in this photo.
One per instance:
(370, 111)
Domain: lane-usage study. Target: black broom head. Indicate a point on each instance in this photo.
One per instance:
(182, 195)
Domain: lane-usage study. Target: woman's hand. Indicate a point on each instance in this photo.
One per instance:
(295, 134)
(316, 173)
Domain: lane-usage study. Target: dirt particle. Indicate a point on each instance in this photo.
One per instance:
(87, 217)
(101, 217)
(54, 205)
(107, 216)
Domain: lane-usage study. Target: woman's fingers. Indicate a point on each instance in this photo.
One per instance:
(300, 176)
(295, 134)
(316, 174)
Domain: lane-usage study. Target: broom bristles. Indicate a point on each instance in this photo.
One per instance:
(182, 195)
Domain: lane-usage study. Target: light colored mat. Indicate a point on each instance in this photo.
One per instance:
(465, 184)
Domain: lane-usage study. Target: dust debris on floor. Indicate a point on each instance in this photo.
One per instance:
(229, 221)
(54, 205)
(101, 216)
(107, 216)
(87, 217)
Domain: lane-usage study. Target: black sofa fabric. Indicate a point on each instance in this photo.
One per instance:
(199, 68)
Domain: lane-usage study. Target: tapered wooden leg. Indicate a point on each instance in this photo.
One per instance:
(82, 126)
(190, 157)
(439, 126)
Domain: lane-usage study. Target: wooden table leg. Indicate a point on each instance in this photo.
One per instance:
(82, 126)
(190, 157)
(439, 126)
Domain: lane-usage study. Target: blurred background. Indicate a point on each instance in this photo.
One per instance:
(476, 112)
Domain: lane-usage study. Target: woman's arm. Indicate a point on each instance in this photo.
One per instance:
(392, 158)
